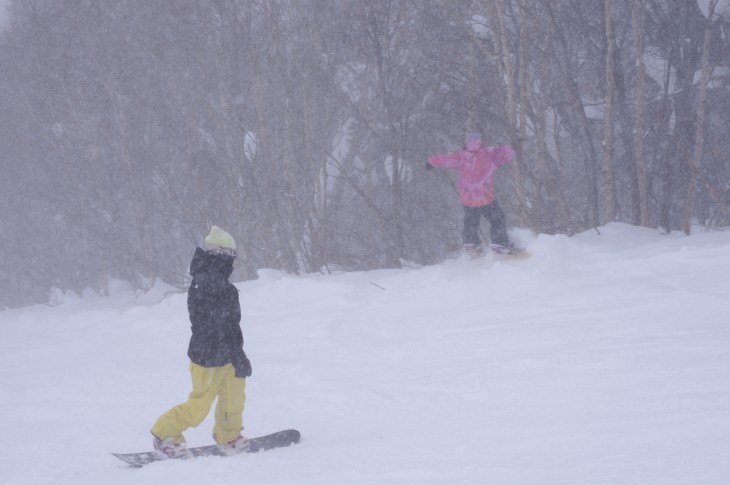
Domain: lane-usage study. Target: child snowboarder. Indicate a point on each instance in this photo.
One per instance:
(477, 164)
(218, 365)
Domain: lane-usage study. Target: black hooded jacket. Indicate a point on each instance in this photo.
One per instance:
(215, 313)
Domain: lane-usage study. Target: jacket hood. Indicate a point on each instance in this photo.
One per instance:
(208, 265)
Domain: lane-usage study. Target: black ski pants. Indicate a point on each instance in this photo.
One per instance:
(492, 213)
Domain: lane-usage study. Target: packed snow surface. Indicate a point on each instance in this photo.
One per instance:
(602, 359)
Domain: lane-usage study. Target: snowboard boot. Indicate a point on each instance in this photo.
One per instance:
(170, 447)
(235, 446)
(509, 249)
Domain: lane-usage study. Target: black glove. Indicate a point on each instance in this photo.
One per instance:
(429, 166)
(242, 365)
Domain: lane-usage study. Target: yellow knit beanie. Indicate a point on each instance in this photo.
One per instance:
(220, 242)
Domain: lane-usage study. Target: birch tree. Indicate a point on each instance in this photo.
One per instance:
(609, 181)
(701, 117)
(637, 21)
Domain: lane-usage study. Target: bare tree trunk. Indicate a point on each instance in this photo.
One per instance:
(524, 100)
(700, 134)
(507, 71)
(582, 124)
(608, 171)
(637, 21)
(686, 52)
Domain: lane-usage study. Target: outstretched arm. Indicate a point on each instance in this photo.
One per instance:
(446, 160)
(503, 154)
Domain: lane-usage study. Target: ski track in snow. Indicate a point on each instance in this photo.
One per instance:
(601, 359)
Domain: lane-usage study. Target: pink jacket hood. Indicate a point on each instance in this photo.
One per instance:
(476, 164)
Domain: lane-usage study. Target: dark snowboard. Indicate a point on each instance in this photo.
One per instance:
(262, 443)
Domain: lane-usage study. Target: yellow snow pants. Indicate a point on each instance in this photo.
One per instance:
(209, 383)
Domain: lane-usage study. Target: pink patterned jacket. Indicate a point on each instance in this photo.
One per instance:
(476, 164)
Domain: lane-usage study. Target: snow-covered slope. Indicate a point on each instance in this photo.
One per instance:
(600, 359)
